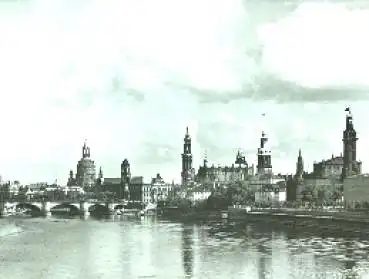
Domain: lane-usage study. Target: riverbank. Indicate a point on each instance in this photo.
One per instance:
(174, 213)
(348, 216)
(349, 222)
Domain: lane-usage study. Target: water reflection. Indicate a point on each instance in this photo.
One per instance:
(149, 248)
(263, 262)
(187, 249)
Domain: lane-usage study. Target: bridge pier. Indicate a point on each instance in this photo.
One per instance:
(110, 207)
(83, 208)
(45, 208)
(2, 208)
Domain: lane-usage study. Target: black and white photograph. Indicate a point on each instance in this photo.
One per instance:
(193, 139)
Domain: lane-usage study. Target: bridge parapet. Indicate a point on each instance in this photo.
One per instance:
(84, 206)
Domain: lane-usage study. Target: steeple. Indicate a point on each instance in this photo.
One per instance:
(100, 177)
(206, 159)
(299, 165)
(186, 173)
(349, 146)
(100, 173)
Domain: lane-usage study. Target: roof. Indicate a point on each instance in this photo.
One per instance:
(332, 161)
(112, 180)
(137, 180)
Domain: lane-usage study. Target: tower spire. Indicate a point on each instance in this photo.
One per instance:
(205, 158)
(186, 173)
(299, 165)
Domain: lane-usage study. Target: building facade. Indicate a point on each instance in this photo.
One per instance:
(159, 190)
(271, 194)
(126, 186)
(356, 191)
(239, 171)
(329, 168)
(146, 193)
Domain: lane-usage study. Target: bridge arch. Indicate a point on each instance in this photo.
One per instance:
(98, 209)
(25, 205)
(72, 208)
(118, 206)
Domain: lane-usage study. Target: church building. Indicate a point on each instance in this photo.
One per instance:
(328, 175)
(86, 170)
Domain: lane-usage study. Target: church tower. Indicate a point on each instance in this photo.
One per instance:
(100, 177)
(71, 180)
(264, 157)
(299, 166)
(349, 147)
(86, 172)
(186, 173)
(85, 151)
(125, 177)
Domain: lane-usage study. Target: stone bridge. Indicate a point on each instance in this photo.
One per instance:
(83, 207)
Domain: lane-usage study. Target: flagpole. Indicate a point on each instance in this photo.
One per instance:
(263, 122)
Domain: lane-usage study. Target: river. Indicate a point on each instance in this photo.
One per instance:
(150, 248)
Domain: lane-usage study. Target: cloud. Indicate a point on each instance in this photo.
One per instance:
(314, 52)
(130, 79)
(319, 45)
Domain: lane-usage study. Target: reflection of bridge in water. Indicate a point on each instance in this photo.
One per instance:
(81, 207)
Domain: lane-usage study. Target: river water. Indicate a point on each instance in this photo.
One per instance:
(149, 248)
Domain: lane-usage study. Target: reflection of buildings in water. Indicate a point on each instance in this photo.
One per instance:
(263, 262)
(187, 249)
(279, 255)
(106, 257)
(350, 266)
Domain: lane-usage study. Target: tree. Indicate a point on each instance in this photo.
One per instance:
(337, 196)
(239, 193)
(365, 205)
(218, 201)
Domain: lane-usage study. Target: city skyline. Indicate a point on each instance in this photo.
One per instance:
(85, 74)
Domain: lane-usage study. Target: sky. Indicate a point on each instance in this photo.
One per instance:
(130, 75)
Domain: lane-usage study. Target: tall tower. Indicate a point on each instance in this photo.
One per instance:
(299, 166)
(125, 171)
(349, 146)
(125, 177)
(264, 157)
(186, 173)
